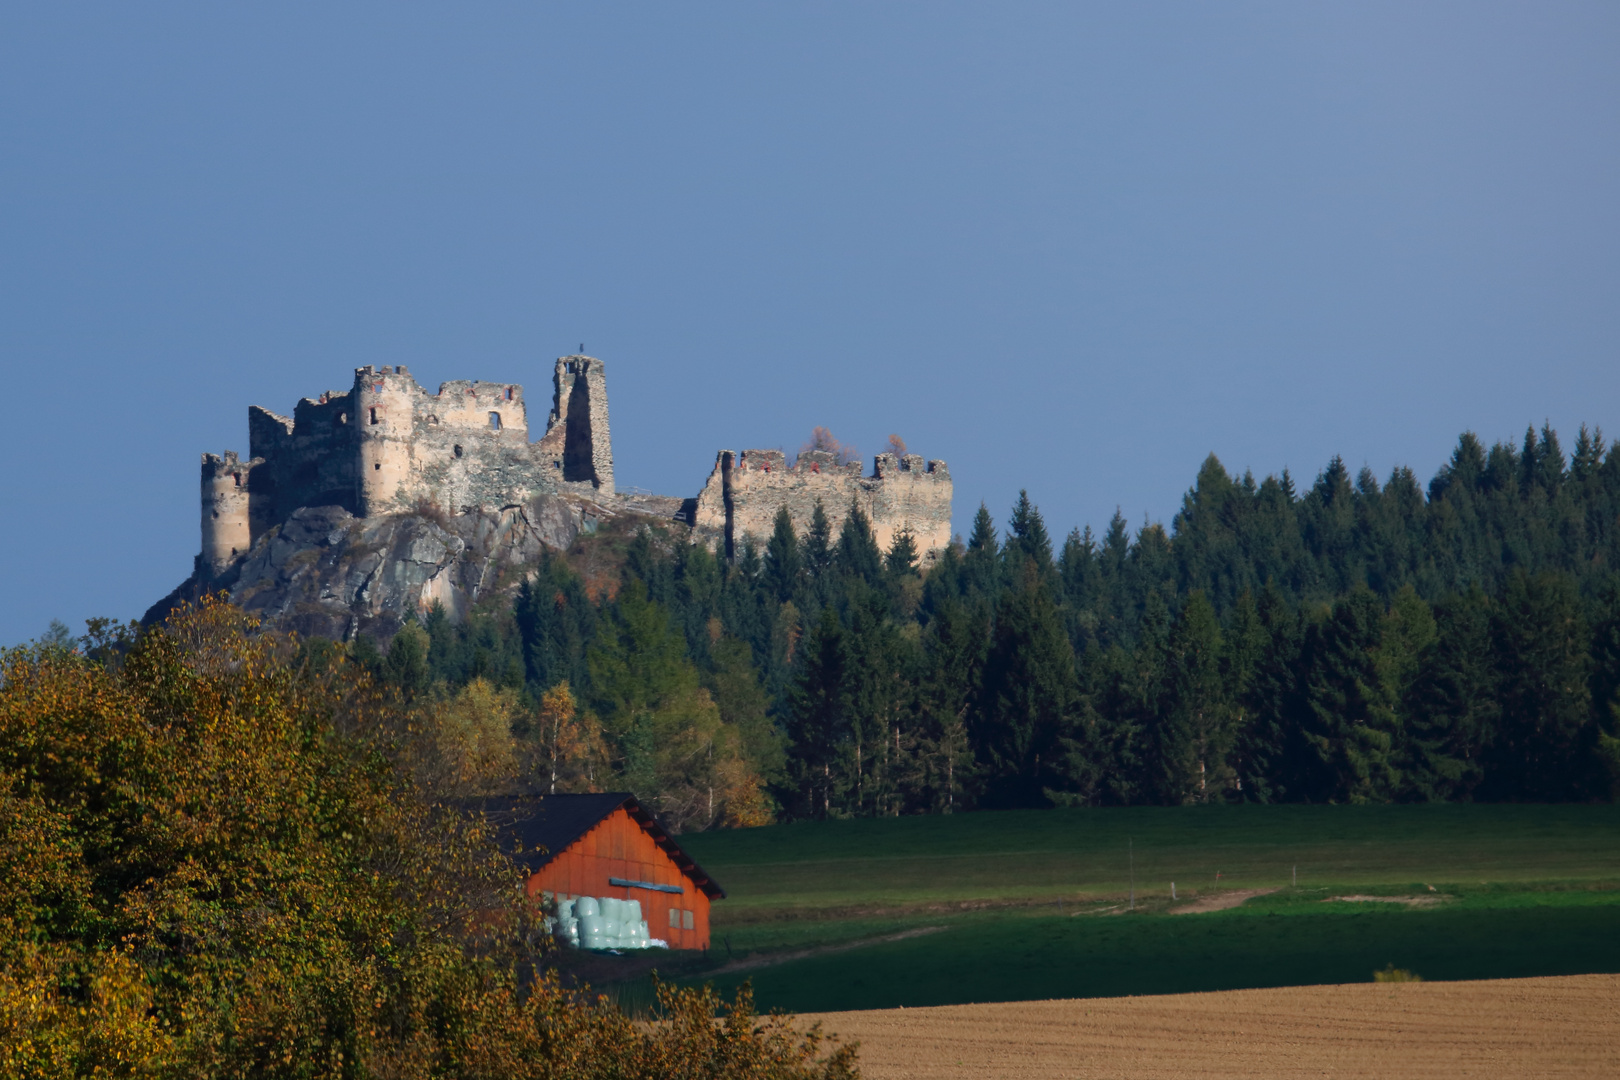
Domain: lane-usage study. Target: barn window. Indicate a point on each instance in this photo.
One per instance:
(495, 421)
(373, 416)
(675, 918)
(686, 920)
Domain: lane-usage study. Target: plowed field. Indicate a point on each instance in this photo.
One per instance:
(1551, 1027)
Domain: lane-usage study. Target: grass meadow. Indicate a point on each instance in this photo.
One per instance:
(1026, 905)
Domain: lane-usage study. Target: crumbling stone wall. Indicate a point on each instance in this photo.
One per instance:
(388, 446)
(745, 491)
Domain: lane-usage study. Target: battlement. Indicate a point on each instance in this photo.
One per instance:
(746, 490)
(386, 445)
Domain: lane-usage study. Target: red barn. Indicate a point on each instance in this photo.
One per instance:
(609, 845)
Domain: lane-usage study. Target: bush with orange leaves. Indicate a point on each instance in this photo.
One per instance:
(212, 864)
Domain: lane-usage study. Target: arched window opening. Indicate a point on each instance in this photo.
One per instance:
(495, 421)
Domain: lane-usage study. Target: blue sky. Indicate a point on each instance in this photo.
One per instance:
(1070, 248)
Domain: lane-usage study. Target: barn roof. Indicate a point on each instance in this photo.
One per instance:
(536, 829)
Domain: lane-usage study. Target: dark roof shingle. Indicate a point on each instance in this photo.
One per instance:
(536, 829)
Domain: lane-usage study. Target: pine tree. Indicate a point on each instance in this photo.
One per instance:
(817, 725)
(948, 682)
(817, 557)
(782, 564)
(1029, 694)
(1452, 708)
(1271, 751)
(858, 556)
(1027, 540)
(980, 562)
(901, 559)
(1354, 722)
(1544, 737)
(1195, 727)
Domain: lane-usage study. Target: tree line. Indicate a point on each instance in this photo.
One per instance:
(1356, 641)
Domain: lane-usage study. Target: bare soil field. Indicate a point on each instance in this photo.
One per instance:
(1566, 1026)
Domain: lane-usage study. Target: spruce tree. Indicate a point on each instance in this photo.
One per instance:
(1353, 720)
(817, 726)
(1027, 539)
(858, 556)
(1196, 727)
(980, 563)
(1029, 694)
(782, 564)
(1452, 705)
(1545, 735)
(818, 542)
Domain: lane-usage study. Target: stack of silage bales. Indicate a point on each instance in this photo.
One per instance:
(590, 922)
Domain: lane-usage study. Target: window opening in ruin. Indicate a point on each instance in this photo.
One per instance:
(343, 418)
(216, 515)
(377, 467)
(458, 451)
(508, 393)
(495, 421)
(373, 416)
(237, 477)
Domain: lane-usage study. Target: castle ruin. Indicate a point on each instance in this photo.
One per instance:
(745, 491)
(387, 446)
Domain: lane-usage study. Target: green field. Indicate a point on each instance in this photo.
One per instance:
(1037, 904)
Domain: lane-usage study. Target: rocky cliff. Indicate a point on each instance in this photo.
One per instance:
(324, 572)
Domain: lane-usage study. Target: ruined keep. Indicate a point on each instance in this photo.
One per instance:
(387, 446)
(745, 491)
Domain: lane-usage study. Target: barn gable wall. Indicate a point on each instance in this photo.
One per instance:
(618, 847)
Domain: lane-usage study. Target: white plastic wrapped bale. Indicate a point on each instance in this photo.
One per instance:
(606, 922)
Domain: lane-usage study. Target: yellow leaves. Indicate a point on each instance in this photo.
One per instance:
(112, 1032)
(470, 749)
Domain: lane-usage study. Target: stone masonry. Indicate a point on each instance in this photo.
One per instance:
(745, 491)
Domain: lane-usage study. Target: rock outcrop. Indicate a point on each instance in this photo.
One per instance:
(324, 572)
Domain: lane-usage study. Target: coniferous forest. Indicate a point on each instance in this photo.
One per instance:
(1349, 641)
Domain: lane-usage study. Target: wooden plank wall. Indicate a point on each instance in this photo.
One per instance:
(617, 846)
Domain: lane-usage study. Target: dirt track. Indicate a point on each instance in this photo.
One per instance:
(1553, 1027)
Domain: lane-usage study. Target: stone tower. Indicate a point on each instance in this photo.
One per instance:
(226, 524)
(579, 406)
